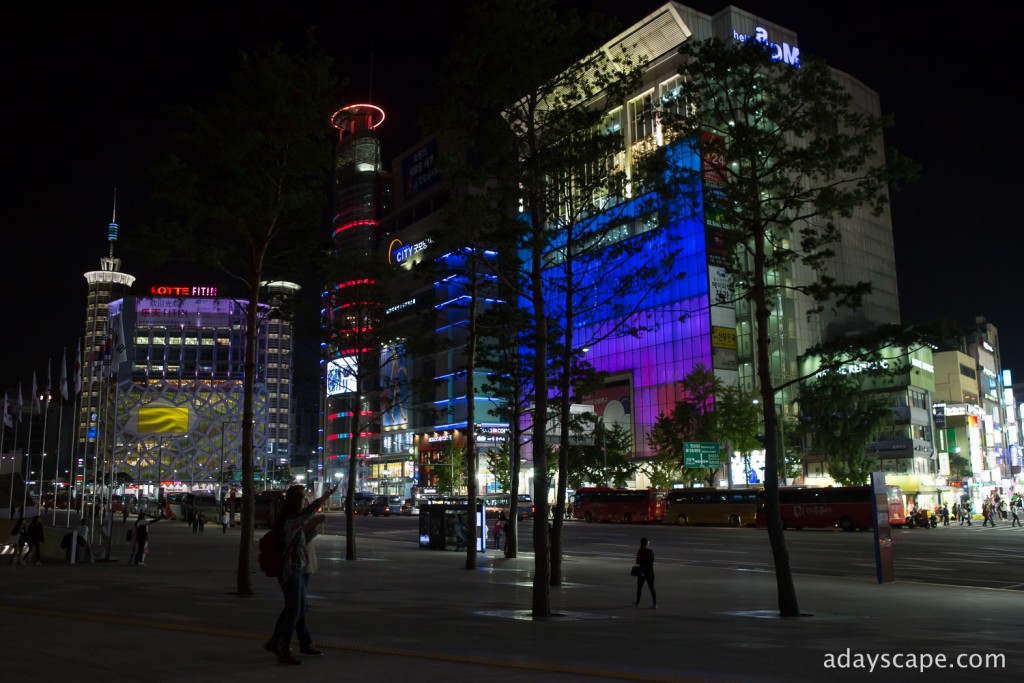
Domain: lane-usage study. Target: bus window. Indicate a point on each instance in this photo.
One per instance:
(734, 507)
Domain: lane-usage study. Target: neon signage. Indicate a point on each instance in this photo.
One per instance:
(781, 52)
(399, 253)
(170, 290)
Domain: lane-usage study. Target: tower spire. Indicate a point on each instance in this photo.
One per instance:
(112, 228)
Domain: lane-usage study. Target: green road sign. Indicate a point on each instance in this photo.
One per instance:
(701, 454)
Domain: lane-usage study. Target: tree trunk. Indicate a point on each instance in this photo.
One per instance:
(245, 542)
(542, 565)
(788, 606)
(565, 416)
(471, 454)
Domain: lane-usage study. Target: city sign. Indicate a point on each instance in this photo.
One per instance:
(701, 454)
(399, 253)
(170, 290)
(784, 52)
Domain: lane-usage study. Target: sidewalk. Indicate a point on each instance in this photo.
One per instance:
(406, 614)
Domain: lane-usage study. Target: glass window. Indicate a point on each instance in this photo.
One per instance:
(642, 117)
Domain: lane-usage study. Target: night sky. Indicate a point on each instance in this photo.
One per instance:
(89, 91)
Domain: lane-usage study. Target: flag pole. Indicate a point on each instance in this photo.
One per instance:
(77, 436)
(28, 444)
(46, 424)
(110, 488)
(60, 426)
(56, 460)
(14, 454)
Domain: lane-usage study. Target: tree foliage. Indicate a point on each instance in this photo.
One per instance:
(693, 418)
(839, 419)
(788, 157)
(527, 109)
(244, 195)
(606, 461)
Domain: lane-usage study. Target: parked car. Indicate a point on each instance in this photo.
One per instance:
(411, 506)
(386, 505)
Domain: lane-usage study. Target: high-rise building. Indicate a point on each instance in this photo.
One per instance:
(361, 195)
(103, 287)
(690, 325)
(278, 373)
(686, 322)
(179, 391)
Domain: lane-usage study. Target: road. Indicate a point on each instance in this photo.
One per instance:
(962, 556)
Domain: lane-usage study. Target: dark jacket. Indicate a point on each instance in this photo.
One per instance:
(645, 558)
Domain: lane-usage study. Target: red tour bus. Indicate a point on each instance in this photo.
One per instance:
(845, 507)
(603, 504)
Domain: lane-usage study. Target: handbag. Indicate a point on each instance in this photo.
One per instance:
(637, 570)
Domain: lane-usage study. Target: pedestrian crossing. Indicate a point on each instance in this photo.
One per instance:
(977, 524)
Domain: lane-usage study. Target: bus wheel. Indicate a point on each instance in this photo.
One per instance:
(681, 520)
(734, 520)
(627, 518)
(588, 518)
(846, 524)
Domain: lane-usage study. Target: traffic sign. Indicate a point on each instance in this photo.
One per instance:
(701, 454)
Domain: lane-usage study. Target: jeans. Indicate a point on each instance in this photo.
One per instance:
(294, 591)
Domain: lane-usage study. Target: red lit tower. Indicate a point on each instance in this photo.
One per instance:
(351, 306)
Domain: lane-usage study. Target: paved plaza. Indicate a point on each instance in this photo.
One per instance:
(400, 613)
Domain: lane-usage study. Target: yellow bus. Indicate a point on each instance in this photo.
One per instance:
(734, 507)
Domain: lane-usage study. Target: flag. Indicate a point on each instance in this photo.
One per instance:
(119, 353)
(63, 375)
(35, 394)
(78, 369)
(8, 420)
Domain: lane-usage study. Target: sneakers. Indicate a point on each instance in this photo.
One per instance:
(654, 607)
(271, 646)
(636, 604)
(311, 651)
(285, 657)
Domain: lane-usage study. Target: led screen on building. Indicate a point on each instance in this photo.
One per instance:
(341, 376)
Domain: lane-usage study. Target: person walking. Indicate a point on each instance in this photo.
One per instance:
(298, 524)
(34, 537)
(986, 514)
(195, 522)
(1004, 508)
(140, 542)
(202, 521)
(645, 560)
(225, 520)
(18, 533)
(945, 515)
(1015, 513)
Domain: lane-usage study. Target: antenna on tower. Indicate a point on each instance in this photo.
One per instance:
(112, 228)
